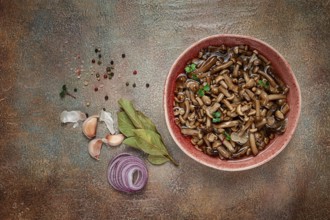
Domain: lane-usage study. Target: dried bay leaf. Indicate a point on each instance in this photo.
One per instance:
(125, 124)
(157, 160)
(146, 122)
(142, 134)
(128, 107)
(140, 144)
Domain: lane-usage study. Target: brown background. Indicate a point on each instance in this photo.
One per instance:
(46, 172)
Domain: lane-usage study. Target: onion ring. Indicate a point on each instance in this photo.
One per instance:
(121, 173)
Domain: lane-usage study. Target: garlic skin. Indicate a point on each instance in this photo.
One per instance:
(90, 126)
(113, 140)
(72, 117)
(106, 117)
(94, 148)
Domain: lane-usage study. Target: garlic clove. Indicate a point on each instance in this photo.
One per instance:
(113, 140)
(94, 148)
(90, 126)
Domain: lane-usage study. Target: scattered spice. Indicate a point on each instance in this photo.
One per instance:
(106, 98)
(93, 60)
(65, 92)
(134, 85)
(99, 62)
(97, 50)
(147, 85)
(88, 104)
(105, 76)
(108, 69)
(100, 56)
(85, 83)
(86, 115)
(127, 83)
(112, 74)
(97, 75)
(96, 89)
(123, 55)
(75, 89)
(104, 109)
(111, 62)
(134, 72)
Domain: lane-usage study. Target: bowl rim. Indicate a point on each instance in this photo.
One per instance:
(167, 119)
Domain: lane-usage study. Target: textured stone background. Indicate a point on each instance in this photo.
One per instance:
(45, 170)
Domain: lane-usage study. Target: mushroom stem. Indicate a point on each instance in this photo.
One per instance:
(261, 123)
(246, 126)
(268, 77)
(187, 109)
(253, 144)
(223, 152)
(220, 97)
(214, 108)
(227, 103)
(221, 67)
(188, 131)
(206, 66)
(225, 91)
(257, 107)
(199, 100)
(276, 96)
(227, 124)
(230, 83)
(227, 143)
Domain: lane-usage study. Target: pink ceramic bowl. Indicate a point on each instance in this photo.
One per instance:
(280, 66)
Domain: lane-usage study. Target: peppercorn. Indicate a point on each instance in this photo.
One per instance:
(134, 72)
(147, 85)
(75, 90)
(108, 69)
(123, 55)
(96, 89)
(106, 98)
(99, 62)
(134, 85)
(93, 60)
(127, 83)
(111, 62)
(100, 55)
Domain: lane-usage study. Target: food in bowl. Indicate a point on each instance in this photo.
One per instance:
(230, 102)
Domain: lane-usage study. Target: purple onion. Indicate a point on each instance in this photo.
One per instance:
(121, 170)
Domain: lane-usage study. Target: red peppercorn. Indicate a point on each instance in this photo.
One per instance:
(105, 76)
(96, 89)
(134, 72)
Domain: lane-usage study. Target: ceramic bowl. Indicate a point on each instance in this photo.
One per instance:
(280, 67)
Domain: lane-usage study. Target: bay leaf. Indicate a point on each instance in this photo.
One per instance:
(140, 144)
(125, 124)
(146, 122)
(152, 138)
(129, 109)
(157, 160)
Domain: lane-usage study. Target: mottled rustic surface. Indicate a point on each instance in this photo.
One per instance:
(46, 172)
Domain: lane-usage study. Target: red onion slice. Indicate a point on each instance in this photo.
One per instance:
(121, 171)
